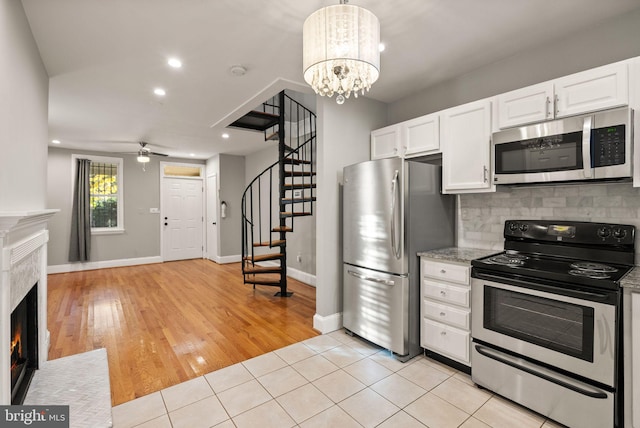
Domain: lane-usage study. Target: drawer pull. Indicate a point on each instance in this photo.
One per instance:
(442, 314)
(443, 271)
(443, 333)
(443, 293)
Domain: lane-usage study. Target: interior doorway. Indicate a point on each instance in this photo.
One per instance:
(182, 215)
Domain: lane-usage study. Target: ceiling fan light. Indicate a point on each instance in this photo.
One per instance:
(143, 158)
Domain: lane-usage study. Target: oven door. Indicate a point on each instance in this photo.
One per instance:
(568, 329)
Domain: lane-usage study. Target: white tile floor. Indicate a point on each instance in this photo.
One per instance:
(327, 381)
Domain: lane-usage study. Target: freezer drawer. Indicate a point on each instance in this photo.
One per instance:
(376, 307)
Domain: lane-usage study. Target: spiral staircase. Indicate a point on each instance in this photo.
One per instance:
(281, 193)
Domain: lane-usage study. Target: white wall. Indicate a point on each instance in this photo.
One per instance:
(610, 41)
(343, 139)
(24, 89)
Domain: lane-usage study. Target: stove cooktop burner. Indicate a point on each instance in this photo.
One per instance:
(593, 267)
(589, 274)
(508, 259)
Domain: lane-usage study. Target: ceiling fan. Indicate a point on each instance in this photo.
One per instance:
(144, 153)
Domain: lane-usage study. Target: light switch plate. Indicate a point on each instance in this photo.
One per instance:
(154, 210)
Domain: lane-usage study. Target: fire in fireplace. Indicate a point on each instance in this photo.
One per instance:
(24, 345)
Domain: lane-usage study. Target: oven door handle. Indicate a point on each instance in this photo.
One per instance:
(587, 295)
(541, 372)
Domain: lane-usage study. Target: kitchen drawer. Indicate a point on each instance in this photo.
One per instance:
(449, 341)
(446, 271)
(447, 293)
(446, 314)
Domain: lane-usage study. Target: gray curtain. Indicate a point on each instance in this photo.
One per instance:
(80, 248)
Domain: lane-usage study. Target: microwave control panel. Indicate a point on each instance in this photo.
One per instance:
(608, 145)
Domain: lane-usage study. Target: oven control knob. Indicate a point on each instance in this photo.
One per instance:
(604, 232)
(619, 233)
(524, 227)
(513, 226)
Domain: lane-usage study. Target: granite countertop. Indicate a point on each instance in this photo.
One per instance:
(632, 279)
(461, 255)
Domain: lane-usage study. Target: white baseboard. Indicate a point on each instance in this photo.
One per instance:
(327, 324)
(76, 267)
(301, 276)
(227, 259)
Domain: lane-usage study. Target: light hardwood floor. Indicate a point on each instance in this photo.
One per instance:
(166, 323)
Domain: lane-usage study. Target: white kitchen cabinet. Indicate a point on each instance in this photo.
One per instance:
(445, 311)
(411, 138)
(465, 136)
(596, 89)
(421, 136)
(385, 142)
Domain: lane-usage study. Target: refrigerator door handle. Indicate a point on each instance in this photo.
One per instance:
(370, 278)
(394, 204)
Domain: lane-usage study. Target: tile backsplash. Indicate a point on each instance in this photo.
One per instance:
(481, 216)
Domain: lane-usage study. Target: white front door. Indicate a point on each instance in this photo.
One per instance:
(181, 218)
(212, 217)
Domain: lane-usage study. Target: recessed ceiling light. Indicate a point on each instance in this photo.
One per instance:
(192, 154)
(55, 141)
(381, 47)
(159, 92)
(174, 62)
(225, 136)
(238, 70)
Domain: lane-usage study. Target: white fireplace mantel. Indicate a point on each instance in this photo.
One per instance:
(23, 263)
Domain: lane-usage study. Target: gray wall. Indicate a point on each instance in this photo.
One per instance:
(141, 192)
(611, 41)
(343, 139)
(24, 86)
(231, 184)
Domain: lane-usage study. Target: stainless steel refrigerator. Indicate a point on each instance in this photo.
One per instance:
(392, 209)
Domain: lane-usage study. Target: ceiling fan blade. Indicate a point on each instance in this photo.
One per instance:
(157, 154)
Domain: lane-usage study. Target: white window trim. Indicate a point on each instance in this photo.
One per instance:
(104, 159)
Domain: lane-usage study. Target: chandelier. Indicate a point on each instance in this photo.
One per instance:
(340, 50)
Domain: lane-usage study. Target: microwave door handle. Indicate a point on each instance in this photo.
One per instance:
(586, 147)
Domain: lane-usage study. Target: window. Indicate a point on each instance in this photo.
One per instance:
(105, 194)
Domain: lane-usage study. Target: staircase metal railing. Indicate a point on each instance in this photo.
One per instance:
(294, 173)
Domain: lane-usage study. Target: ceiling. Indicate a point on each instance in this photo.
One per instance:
(104, 59)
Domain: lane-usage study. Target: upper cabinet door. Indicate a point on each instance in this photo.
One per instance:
(596, 89)
(466, 144)
(527, 105)
(385, 142)
(421, 136)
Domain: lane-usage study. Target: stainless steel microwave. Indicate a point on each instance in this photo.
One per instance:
(596, 146)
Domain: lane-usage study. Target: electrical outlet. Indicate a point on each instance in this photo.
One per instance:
(299, 258)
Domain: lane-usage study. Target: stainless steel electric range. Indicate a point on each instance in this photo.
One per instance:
(546, 319)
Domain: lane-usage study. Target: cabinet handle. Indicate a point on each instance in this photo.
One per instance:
(484, 173)
(443, 333)
(442, 314)
(443, 271)
(548, 105)
(443, 293)
(556, 103)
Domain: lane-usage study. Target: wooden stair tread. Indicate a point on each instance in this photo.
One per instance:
(297, 200)
(272, 243)
(262, 281)
(300, 173)
(263, 257)
(295, 214)
(248, 270)
(272, 137)
(282, 229)
(295, 161)
(299, 185)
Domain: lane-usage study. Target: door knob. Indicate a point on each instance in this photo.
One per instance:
(166, 218)
(166, 224)
(214, 223)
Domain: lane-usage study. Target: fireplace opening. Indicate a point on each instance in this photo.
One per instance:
(24, 345)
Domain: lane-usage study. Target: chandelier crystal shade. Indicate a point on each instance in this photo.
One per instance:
(341, 51)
